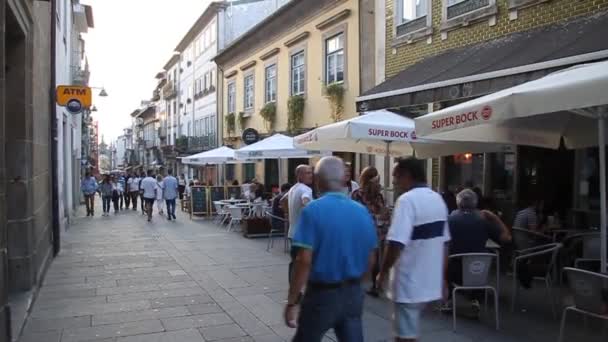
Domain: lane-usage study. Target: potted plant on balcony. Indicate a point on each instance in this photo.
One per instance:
(242, 120)
(295, 112)
(269, 113)
(230, 123)
(334, 92)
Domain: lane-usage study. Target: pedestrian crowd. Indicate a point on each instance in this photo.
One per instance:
(343, 234)
(123, 192)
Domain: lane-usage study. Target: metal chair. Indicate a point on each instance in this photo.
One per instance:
(550, 250)
(592, 249)
(589, 290)
(220, 212)
(236, 216)
(273, 229)
(475, 276)
(524, 238)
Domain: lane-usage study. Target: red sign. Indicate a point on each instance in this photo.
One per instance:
(486, 112)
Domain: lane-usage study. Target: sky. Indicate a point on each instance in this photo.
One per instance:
(130, 43)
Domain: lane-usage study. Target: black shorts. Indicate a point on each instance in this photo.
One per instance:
(149, 201)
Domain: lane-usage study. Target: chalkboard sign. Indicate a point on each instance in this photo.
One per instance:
(198, 200)
(216, 193)
(234, 192)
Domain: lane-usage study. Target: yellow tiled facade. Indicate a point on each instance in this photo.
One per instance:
(536, 15)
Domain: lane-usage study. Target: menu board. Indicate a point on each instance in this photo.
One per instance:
(199, 200)
(234, 192)
(216, 193)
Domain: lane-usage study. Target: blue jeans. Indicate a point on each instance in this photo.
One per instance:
(170, 208)
(106, 200)
(324, 309)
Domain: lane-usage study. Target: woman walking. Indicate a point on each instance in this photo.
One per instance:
(106, 189)
(159, 194)
(370, 195)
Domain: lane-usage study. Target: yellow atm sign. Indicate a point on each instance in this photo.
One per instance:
(74, 97)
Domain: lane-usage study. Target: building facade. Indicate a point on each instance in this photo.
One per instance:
(71, 68)
(296, 70)
(442, 52)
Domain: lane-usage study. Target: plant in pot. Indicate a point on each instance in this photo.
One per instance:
(269, 113)
(242, 120)
(230, 123)
(334, 92)
(295, 112)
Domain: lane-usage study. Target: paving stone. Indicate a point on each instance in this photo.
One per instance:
(53, 336)
(41, 325)
(268, 338)
(205, 308)
(190, 335)
(91, 309)
(112, 330)
(222, 332)
(179, 301)
(250, 323)
(58, 302)
(192, 291)
(118, 290)
(142, 315)
(198, 321)
(60, 293)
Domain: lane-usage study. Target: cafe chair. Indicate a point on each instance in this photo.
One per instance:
(589, 291)
(476, 276)
(592, 250)
(277, 225)
(236, 216)
(549, 251)
(220, 213)
(524, 238)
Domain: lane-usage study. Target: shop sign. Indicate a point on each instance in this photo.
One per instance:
(250, 136)
(74, 98)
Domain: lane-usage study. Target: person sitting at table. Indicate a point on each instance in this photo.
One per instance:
(470, 230)
(527, 218)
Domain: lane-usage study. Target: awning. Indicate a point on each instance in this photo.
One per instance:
(494, 65)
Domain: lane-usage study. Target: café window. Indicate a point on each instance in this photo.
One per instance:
(271, 83)
(464, 171)
(298, 76)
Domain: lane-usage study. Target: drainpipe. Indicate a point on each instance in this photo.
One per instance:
(53, 131)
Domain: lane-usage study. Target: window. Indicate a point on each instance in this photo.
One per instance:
(297, 74)
(206, 126)
(212, 78)
(248, 92)
(207, 38)
(231, 97)
(458, 12)
(248, 172)
(213, 32)
(213, 124)
(189, 129)
(334, 59)
(270, 87)
(414, 9)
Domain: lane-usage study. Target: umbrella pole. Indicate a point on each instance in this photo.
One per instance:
(602, 151)
(387, 166)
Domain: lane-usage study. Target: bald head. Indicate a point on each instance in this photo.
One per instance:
(330, 174)
(304, 174)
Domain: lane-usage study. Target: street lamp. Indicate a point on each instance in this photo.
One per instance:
(94, 109)
(102, 93)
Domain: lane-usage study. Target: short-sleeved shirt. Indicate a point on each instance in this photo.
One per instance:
(469, 232)
(148, 186)
(420, 224)
(295, 199)
(341, 234)
(525, 218)
(171, 184)
(133, 184)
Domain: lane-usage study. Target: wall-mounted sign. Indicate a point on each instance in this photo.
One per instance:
(250, 136)
(74, 98)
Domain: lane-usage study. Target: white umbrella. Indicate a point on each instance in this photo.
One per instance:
(384, 133)
(569, 104)
(218, 155)
(278, 146)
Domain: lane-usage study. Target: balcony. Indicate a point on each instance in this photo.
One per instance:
(191, 145)
(169, 90)
(80, 76)
(83, 17)
(156, 95)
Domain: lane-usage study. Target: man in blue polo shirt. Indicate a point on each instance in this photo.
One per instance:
(337, 238)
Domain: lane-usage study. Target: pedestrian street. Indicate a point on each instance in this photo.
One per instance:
(121, 279)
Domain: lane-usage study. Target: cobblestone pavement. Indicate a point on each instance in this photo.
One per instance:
(122, 279)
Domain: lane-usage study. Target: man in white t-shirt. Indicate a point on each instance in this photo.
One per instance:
(295, 200)
(133, 183)
(416, 248)
(148, 186)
